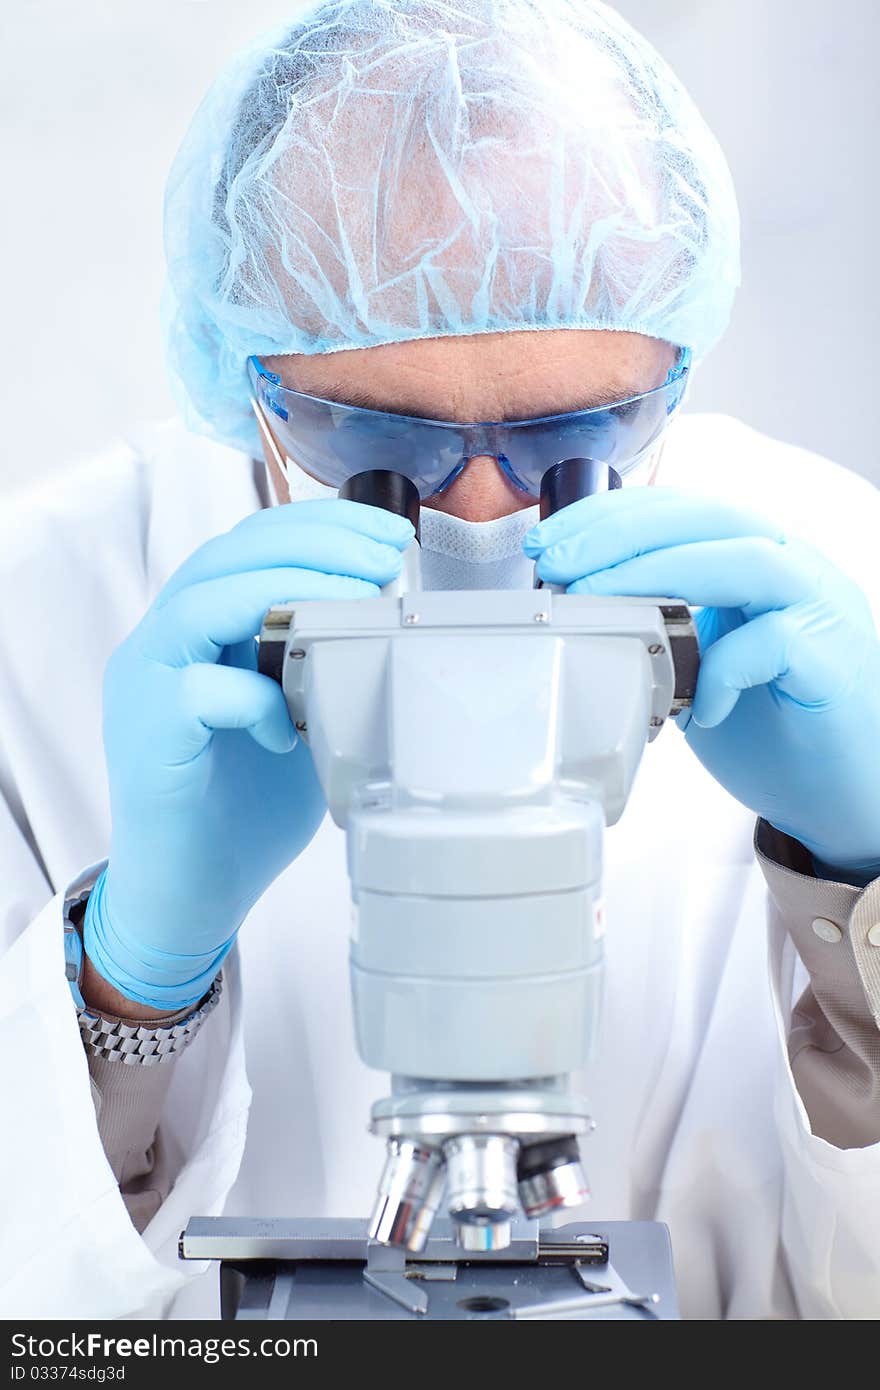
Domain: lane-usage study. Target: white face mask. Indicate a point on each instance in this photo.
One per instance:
(458, 554)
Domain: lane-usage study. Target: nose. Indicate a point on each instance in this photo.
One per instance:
(481, 492)
(483, 461)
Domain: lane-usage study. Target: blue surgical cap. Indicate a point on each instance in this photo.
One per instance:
(379, 171)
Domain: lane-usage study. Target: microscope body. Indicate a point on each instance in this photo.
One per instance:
(474, 745)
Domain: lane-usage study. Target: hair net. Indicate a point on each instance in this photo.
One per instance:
(381, 171)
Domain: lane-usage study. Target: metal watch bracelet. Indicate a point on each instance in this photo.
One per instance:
(133, 1043)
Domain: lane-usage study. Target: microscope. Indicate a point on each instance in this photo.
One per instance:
(473, 745)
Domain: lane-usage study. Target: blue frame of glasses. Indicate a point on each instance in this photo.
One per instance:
(409, 443)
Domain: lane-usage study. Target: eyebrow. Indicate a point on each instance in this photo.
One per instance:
(342, 393)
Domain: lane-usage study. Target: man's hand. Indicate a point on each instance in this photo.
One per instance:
(787, 708)
(212, 794)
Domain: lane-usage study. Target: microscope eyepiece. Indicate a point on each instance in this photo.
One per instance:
(382, 487)
(572, 479)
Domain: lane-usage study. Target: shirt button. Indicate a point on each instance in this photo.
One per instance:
(830, 931)
(874, 934)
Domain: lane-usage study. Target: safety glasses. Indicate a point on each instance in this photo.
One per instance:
(333, 441)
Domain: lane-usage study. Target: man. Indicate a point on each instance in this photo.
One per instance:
(434, 214)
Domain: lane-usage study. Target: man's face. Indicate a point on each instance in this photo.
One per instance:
(490, 376)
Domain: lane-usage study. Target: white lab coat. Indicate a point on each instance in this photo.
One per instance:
(699, 1120)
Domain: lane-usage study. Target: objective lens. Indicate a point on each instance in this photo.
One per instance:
(481, 1188)
(409, 1194)
(550, 1176)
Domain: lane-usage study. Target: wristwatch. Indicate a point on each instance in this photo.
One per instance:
(136, 1044)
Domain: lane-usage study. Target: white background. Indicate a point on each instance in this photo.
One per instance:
(96, 94)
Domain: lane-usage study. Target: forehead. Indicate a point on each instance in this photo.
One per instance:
(485, 376)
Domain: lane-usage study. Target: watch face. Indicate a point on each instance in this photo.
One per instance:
(73, 961)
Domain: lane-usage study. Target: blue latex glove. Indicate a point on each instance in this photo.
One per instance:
(786, 714)
(212, 793)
